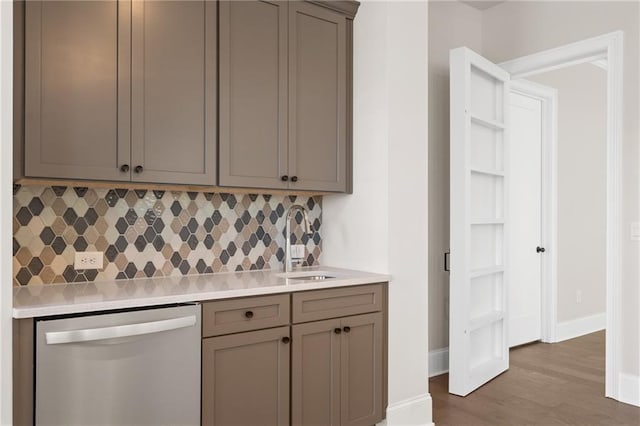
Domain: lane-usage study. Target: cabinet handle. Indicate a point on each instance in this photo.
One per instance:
(337, 330)
(249, 314)
(294, 178)
(284, 178)
(138, 169)
(286, 339)
(124, 168)
(347, 329)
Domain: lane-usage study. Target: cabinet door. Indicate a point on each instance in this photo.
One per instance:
(361, 369)
(253, 94)
(245, 378)
(317, 98)
(315, 373)
(173, 94)
(77, 62)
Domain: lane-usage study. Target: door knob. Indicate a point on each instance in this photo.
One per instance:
(124, 168)
(540, 250)
(249, 314)
(284, 178)
(138, 169)
(337, 330)
(294, 178)
(347, 329)
(286, 339)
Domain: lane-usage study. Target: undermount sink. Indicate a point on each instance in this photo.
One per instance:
(307, 275)
(312, 278)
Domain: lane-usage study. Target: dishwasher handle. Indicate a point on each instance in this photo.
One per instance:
(92, 334)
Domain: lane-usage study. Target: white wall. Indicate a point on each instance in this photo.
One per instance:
(582, 177)
(383, 226)
(451, 24)
(514, 29)
(6, 208)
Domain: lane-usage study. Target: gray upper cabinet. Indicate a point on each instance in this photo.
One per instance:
(77, 89)
(173, 92)
(113, 93)
(253, 103)
(283, 96)
(317, 98)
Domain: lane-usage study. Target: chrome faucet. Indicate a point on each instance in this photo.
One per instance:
(288, 262)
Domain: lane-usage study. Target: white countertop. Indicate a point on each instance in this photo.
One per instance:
(59, 299)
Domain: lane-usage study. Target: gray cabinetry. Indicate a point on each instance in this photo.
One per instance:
(173, 92)
(283, 96)
(245, 378)
(77, 89)
(113, 93)
(338, 359)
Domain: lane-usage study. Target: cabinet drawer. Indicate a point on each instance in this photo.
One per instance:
(336, 302)
(252, 313)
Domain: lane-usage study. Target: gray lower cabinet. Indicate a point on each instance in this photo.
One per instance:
(337, 369)
(245, 378)
(121, 91)
(283, 95)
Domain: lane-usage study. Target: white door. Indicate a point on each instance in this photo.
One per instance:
(478, 339)
(525, 210)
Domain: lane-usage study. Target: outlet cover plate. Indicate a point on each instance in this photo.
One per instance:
(88, 260)
(297, 251)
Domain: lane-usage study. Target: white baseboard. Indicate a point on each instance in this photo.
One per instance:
(411, 412)
(438, 362)
(579, 327)
(629, 389)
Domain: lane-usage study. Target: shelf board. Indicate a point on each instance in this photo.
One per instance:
(486, 319)
(496, 125)
(489, 172)
(487, 222)
(486, 271)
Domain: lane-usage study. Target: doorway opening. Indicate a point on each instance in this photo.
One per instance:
(479, 345)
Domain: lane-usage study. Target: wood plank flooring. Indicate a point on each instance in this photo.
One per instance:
(546, 384)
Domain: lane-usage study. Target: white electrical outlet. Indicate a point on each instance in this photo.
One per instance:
(88, 260)
(297, 251)
(578, 296)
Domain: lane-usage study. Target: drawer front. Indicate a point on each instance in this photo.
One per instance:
(337, 302)
(251, 313)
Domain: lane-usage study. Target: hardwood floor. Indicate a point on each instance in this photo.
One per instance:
(546, 384)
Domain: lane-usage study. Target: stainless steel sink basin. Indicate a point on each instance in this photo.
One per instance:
(307, 275)
(312, 278)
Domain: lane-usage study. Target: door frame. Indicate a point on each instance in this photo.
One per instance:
(549, 202)
(610, 47)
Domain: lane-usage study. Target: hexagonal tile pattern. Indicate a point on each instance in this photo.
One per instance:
(152, 233)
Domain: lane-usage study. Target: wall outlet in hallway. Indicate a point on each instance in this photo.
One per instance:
(578, 296)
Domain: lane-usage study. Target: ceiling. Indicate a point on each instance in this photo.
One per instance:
(481, 4)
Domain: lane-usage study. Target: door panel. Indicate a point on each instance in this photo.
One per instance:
(526, 212)
(479, 222)
(317, 98)
(174, 91)
(245, 378)
(315, 373)
(77, 89)
(361, 370)
(253, 93)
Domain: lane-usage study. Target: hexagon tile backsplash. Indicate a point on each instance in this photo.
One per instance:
(146, 233)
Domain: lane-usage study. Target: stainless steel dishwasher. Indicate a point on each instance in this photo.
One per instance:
(137, 367)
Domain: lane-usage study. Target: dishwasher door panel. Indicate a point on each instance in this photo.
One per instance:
(130, 368)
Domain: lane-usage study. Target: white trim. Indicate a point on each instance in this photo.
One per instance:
(438, 362)
(549, 204)
(607, 46)
(6, 208)
(601, 63)
(580, 326)
(414, 411)
(629, 391)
